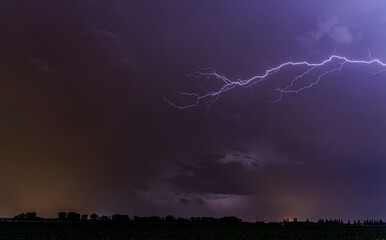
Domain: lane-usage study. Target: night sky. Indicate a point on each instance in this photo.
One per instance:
(84, 125)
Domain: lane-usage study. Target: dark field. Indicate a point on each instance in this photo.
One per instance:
(111, 230)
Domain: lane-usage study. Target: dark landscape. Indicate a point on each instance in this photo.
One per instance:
(75, 226)
(178, 230)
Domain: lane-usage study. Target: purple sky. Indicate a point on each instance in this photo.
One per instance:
(84, 125)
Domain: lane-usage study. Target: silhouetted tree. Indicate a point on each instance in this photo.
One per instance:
(155, 219)
(84, 217)
(72, 216)
(180, 219)
(20, 216)
(31, 215)
(62, 216)
(209, 219)
(230, 219)
(119, 217)
(105, 218)
(169, 218)
(94, 216)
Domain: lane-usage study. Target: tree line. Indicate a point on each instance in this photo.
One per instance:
(335, 222)
(73, 216)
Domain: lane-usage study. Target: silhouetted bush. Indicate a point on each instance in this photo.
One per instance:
(72, 216)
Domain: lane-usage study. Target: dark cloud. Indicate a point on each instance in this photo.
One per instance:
(212, 175)
(184, 201)
(328, 29)
(194, 201)
(198, 201)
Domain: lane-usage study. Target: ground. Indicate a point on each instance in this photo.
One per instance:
(159, 231)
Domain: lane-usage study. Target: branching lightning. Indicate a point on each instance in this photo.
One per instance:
(210, 97)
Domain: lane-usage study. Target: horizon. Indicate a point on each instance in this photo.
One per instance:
(64, 216)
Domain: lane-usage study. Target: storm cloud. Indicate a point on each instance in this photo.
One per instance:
(85, 126)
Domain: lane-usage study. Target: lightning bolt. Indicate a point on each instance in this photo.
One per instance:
(210, 97)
